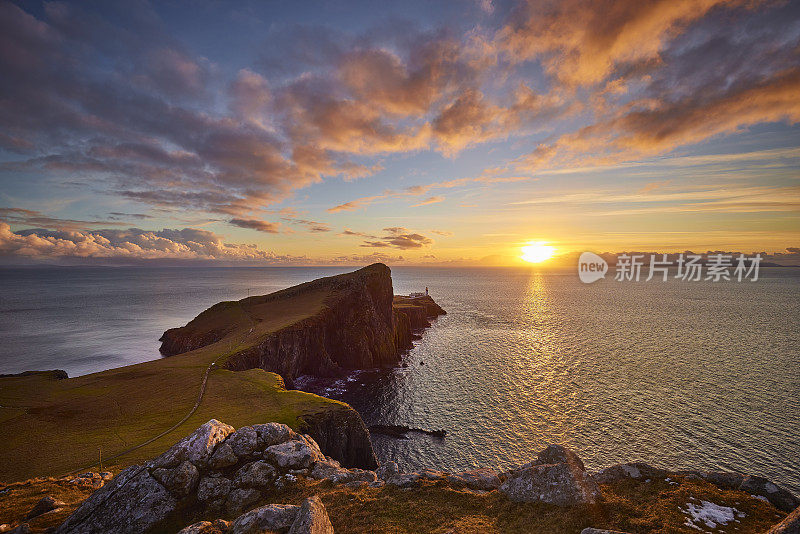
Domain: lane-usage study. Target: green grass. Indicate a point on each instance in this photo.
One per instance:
(55, 426)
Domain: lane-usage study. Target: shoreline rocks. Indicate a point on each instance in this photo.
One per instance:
(218, 471)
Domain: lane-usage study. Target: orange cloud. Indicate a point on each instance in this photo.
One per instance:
(582, 42)
(429, 200)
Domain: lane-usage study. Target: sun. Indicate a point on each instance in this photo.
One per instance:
(537, 251)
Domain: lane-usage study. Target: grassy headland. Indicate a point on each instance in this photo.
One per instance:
(53, 426)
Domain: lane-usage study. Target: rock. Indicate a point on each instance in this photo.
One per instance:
(223, 457)
(266, 518)
(255, 475)
(213, 490)
(273, 433)
(312, 518)
(244, 441)
(197, 447)
(477, 479)
(45, 504)
(387, 470)
(239, 499)
(181, 480)
(356, 329)
(600, 531)
(630, 470)
(219, 526)
(777, 496)
(132, 502)
(563, 484)
(556, 454)
(789, 525)
(331, 471)
(432, 475)
(22, 528)
(294, 454)
(342, 434)
(404, 480)
(724, 479)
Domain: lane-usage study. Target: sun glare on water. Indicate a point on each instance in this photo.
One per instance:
(537, 251)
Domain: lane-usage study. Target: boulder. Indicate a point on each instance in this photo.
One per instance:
(476, 479)
(132, 502)
(404, 480)
(724, 479)
(255, 475)
(331, 471)
(563, 484)
(387, 470)
(22, 528)
(312, 518)
(223, 457)
(213, 490)
(266, 518)
(789, 525)
(273, 434)
(180, 481)
(45, 504)
(629, 470)
(777, 496)
(197, 447)
(244, 441)
(294, 454)
(219, 526)
(239, 499)
(558, 454)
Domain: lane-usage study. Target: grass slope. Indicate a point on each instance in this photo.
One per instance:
(55, 426)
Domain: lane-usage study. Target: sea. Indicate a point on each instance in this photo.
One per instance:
(678, 374)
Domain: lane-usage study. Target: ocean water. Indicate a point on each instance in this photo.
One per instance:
(677, 374)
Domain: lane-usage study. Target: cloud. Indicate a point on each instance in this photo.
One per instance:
(348, 232)
(429, 200)
(310, 226)
(130, 244)
(583, 43)
(444, 233)
(27, 217)
(257, 224)
(87, 99)
(399, 237)
(121, 215)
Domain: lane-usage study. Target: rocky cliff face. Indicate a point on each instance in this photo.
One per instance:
(342, 435)
(357, 327)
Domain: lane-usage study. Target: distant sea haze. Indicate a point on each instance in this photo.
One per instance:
(684, 375)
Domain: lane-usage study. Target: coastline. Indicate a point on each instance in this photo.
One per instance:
(335, 426)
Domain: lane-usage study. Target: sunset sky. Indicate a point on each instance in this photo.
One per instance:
(436, 132)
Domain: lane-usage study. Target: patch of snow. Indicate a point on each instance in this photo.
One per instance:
(709, 514)
(760, 498)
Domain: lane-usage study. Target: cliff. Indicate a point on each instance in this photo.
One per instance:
(351, 321)
(418, 309)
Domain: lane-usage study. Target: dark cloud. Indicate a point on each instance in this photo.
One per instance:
(399, 237)
(35, 218)
(257, 224)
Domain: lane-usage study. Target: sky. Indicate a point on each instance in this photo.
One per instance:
(442, 133)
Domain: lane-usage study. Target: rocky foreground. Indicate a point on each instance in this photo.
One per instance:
(268, 478)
